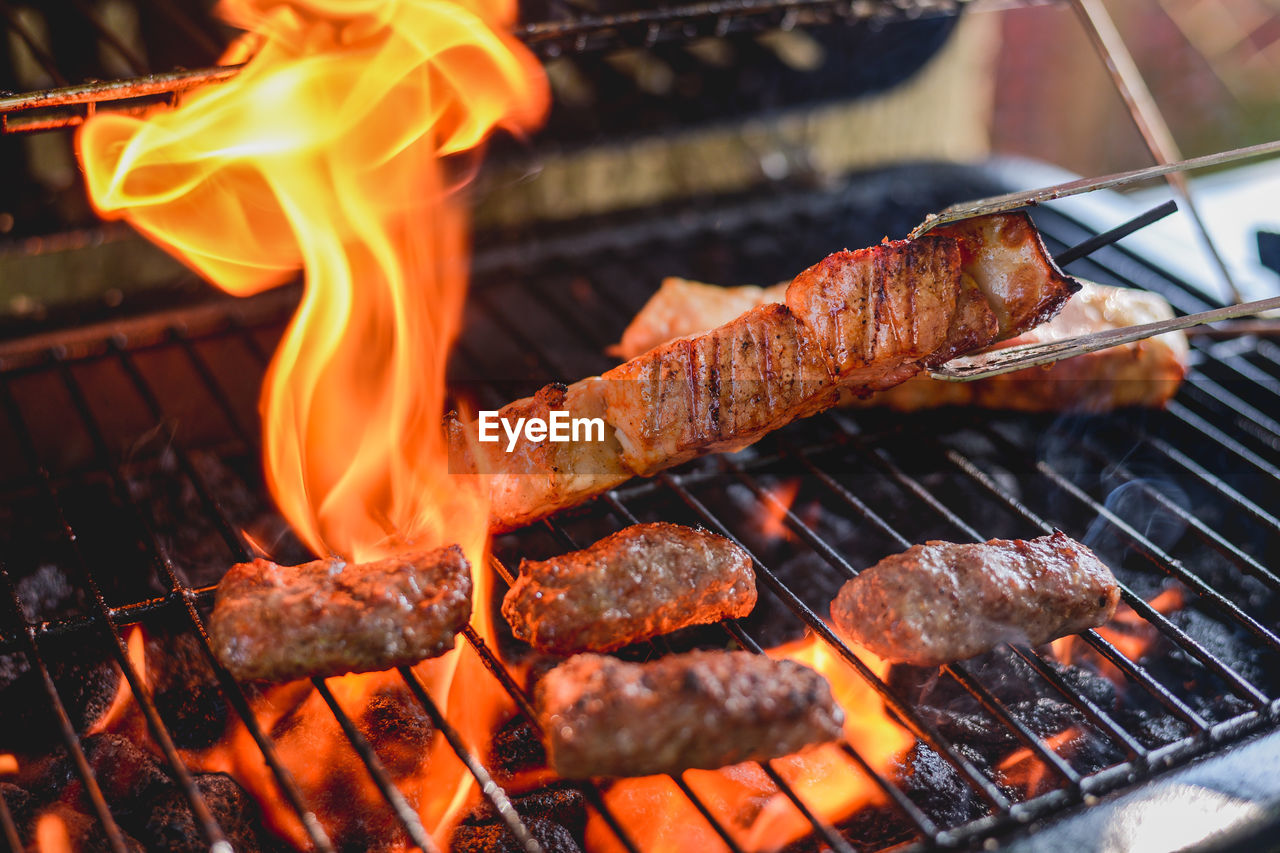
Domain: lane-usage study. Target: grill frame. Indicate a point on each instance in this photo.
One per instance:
(244, 325)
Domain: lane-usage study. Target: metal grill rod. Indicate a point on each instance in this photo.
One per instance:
(155, 726)
(735, 633)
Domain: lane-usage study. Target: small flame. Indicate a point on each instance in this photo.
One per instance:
(8, 764)
(773, 512)
(122, 702)
(1131, 635)
(258, 549)
(51, 834)
(1025, 772)
(659, 817)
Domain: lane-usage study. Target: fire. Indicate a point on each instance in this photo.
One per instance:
(51, 834)
(338, 151)
(8, 764)
(659, 817)
(773, 512)
(122, 702)
(1023, 771)
(1127, 631)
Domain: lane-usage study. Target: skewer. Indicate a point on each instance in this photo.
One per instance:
(1007, 360)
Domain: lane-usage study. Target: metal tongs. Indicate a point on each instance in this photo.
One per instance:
(1008, 359)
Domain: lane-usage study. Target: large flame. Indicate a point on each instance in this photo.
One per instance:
(327, 153)
(336, 151)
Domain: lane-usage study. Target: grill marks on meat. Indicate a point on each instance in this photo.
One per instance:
(940, 602)
(606, 717)
(718, 391)
(854, 323)
(878, 309)
(328, 617)
(643, 581)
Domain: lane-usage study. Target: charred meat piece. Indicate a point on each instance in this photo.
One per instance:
(1142, 373)
(719, 391)
(328, 617)
(877, 311)
(939, 602)
(855, 323)
(682, 308)
(646, 580)
(1007, 259)
(605, 717)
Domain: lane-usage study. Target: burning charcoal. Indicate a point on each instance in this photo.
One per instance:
(496, 838)
(516, 748)
(86, 680)
(172, 826)
(185, 690)
(398, 728)
(131, 780)
(561, 805)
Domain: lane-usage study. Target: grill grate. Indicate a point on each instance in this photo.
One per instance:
(952, 474)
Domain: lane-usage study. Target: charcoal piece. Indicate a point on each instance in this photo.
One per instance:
(399, 729)
(131, 779)
(21, 806)
(172, 826)
(516, 748)
(86, 679)
(496, 838)
(185, 690)
(935, 786)
(47, 593)
(560, 804)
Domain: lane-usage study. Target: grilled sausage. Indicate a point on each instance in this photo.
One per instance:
(939, 602)
(604, 717)
(645, 580)
(328, 617)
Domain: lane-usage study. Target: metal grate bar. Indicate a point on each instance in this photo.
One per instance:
(38, 51)
(136, 63)
(1154, 688)
(74, 747)
(1207, 534)
(155, 726)
(240, 551)
(1238, 683)
(919, 727)
(179, 591)
(735, 632)
(490, 789)
(405, 813)
(922, 823)
(957, 671)
(6, 823)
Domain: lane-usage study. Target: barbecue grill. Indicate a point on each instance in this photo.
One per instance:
(131, 479)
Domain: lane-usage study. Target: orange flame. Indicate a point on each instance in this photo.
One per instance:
(659, 817)
(326, 153)
(336, 151)
(1023, 771)
(122, 702)
(8, 763)
(51, 834)
(773, 513)
(1131, 635)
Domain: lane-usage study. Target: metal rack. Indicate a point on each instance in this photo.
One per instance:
(1216, 440)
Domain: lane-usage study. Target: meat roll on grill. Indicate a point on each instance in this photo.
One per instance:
(605, 717)
(328, 617)
(939, 602)
(646, 580)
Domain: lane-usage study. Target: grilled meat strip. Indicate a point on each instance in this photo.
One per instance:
(854, 323)
(939, 602)
(645, 580)
(605, 717)
(328, 617)
(1143, 373)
